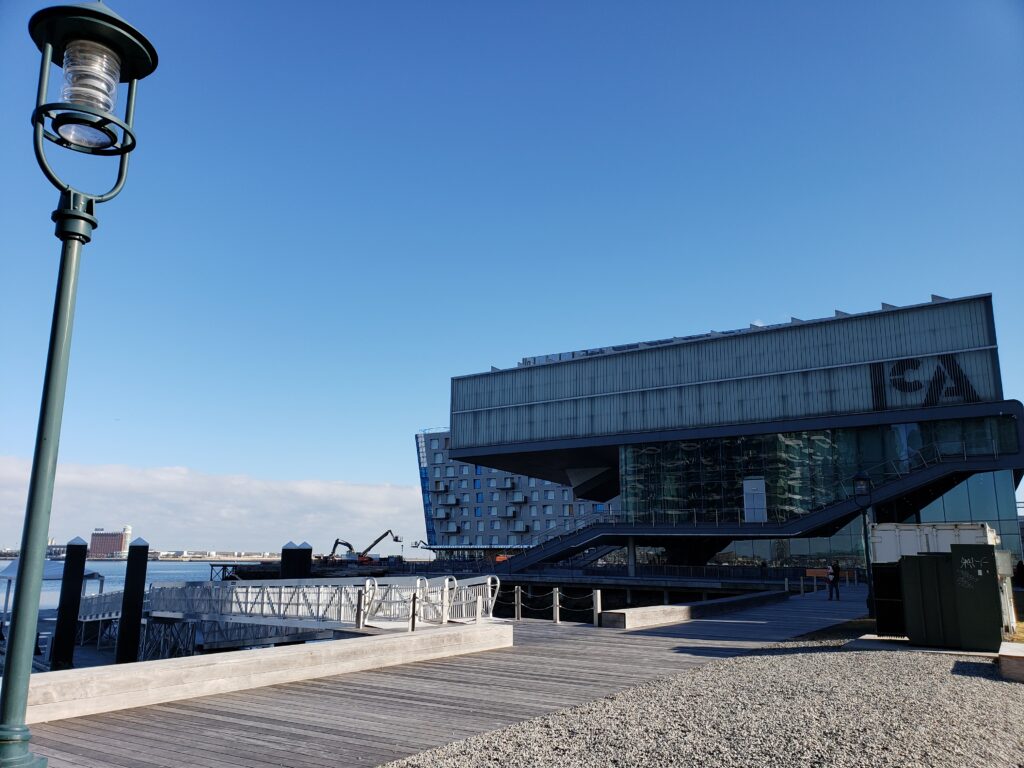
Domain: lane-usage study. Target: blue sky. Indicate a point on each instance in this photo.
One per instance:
(335, 207)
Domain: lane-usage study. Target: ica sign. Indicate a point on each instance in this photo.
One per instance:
(915, 381)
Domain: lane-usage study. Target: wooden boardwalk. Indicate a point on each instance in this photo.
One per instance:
(369, 718)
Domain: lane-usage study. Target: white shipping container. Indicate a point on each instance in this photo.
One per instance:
(890, 541)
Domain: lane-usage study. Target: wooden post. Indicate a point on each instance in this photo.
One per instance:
(479, 608)
(801, 585)
(359, 609)
(519, 603)
(597, 607)
(412, 614)
(554, 605)
(129, 626)
(665, 597)
(71, 587)
(787, 585)
(444, 604)
(814, 584)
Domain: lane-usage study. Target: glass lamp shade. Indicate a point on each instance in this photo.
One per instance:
(91, 74)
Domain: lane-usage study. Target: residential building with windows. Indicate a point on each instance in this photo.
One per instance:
(743, 445)
(473, 511)
(110, 544)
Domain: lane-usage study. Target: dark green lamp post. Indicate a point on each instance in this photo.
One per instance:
(862, 497)
(97, 49)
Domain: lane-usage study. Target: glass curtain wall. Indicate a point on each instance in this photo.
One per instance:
(703, 481)
(987, 497)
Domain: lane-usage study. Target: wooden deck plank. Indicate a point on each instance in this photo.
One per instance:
(372, 717)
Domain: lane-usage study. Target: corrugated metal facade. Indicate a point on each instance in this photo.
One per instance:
(932, 354)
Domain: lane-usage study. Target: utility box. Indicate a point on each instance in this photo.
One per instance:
(956, 599)
(891, 541)
(976, 583)
(930, 607)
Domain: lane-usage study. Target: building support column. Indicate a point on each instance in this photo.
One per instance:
(631, 557)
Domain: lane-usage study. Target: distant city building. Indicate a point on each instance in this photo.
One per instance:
(474, 511)
(110, 544)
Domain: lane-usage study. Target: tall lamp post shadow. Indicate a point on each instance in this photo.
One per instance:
(862, 496)
(97, 49)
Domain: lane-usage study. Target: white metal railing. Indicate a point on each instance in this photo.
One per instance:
(329, 601)
(105, 605)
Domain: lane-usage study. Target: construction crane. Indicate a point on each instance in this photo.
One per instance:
(334, 549)
(362, 557)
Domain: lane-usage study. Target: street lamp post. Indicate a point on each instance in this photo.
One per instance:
(862, 496)
(97, 49)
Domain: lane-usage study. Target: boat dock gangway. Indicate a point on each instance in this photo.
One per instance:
(234, 614)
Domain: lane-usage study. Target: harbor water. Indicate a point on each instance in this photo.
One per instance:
(113, 578)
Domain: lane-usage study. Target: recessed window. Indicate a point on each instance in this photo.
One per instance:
(437, 471)
(548, 509)
(449, 471)
(565, 495)
(550, 525)
(492, 483)
(533, 482)
(533, 510)
(463, 483)
(478, 470)
(433, 443)
(439, 458)
(476, 483)
(495, 525)
(566, 509)
(464, 469)
(549, 495)
(477, 511)
(534, 495)
(479, 498)
(492, 510)
(495, 496)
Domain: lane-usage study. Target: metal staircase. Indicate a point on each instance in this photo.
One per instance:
(891, 480)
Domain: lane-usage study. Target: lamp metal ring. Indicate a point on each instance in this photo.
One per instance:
(64, 113)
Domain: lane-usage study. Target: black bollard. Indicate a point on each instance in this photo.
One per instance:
(63, 647)
(303, 560)
(129, 627)
(288, 554)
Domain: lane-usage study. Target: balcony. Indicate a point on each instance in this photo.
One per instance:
(440, 514)
(518, 497)
(450, 500)
(508, 511)
(507, 483)
(519, 526)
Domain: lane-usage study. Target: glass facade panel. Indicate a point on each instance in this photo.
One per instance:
(679, 481)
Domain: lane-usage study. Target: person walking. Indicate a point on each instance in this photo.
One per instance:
(832, 577)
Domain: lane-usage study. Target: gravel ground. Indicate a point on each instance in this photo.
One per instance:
(805, 704)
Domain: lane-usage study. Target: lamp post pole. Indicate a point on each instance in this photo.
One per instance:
(97, 49)
(14, 734)
(862, 495)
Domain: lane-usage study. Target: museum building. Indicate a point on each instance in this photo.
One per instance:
(743, 445)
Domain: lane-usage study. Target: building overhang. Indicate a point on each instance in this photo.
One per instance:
(596, 458)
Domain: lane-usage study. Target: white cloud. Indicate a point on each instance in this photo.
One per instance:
(179, 508)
